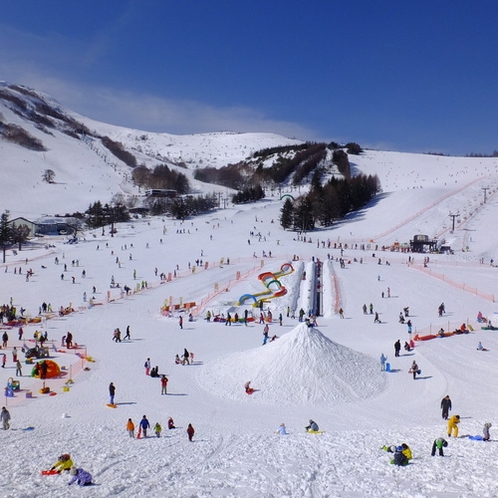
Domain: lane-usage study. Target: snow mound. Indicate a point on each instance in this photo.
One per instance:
(302, 366)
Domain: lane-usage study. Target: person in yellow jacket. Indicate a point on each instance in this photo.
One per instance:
(406, 451)
(452, 425)
(63, 464)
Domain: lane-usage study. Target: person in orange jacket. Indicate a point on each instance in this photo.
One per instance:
(130, 427)
(452, 425)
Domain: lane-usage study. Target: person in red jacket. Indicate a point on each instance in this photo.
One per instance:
(164, 384)
(190, 432)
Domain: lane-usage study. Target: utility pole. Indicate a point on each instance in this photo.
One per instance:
(453, 216)
(485, 190)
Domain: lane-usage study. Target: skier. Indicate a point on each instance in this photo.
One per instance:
(445, 406)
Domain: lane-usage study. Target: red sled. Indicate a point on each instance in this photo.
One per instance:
(49, 472)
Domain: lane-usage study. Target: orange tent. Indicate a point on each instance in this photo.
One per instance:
(53, 369)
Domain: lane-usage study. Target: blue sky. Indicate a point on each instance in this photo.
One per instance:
(403, 75)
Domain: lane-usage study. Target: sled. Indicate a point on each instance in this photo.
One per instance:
(476, 438)
(49, 472)
(470, 328)
(314, 432)
(139, 434)
(250, 391)
(111, 406)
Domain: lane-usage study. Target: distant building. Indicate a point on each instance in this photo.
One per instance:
(422, 243)
(160, 192)
(23, 221)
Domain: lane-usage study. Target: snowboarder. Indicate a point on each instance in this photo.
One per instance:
(397, 348)
(445, 406)
(453, 425)
(439, 444)
(112, 392)
(190, 432)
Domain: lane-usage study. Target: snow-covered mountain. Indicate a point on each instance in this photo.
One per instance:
(37, 134)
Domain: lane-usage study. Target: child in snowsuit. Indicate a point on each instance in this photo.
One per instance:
(485, 431)
(64, 463)
(282, 430)
(190, 432)
(158, 429)
(439, 444)
(130, 427)
(399, 458)
(452, 425)
(312, 427)
(80, 477)
(171, 423)
(144, 425)
(406, 451)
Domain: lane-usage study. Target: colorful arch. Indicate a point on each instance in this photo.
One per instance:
(287, 195)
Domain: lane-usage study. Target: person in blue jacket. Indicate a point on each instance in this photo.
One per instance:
(144, 424)
(80, 477)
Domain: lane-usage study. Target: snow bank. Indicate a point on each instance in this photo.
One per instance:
(303, 366)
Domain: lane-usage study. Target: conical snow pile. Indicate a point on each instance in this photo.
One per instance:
(302, 366)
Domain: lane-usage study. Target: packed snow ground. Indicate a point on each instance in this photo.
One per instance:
(331, 373)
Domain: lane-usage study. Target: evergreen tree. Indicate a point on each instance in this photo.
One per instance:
(287, 214)
(5, 232)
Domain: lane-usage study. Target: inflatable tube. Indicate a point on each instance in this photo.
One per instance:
(286, 268)
(424, 337)
(245, 297)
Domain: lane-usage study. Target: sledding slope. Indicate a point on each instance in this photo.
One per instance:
(302, 366)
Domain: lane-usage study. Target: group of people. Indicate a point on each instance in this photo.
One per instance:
(78, 475)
